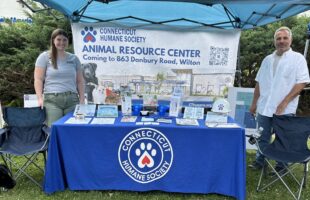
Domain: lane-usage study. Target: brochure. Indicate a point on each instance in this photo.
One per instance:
(193, 113)
(103, 121)
(73, 120)
(147, 123)
(147, 119)
(188, 122)
(87, 110)
(129, 119)
(107, 111)
(222, 125)
(163, 120)
(216, 117)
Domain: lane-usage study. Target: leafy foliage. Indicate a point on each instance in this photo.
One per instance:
(20, 44)
(258, 43)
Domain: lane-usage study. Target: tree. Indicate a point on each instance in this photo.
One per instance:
(20, 44)
(257, 43)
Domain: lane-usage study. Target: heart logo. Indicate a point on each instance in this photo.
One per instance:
(146, 160)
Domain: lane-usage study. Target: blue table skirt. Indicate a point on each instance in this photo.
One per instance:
(196, 159)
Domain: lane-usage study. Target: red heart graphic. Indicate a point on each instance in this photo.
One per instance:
(146, 160)
(89, 37)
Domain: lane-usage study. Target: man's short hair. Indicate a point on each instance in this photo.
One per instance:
(283, 28)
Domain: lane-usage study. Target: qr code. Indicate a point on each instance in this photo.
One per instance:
(218, 56)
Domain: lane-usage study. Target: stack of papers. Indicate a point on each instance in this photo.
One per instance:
(147, 119)
(222, 125)
(129, 119)
(73, 120)
(163, 120)
(103, 121)
(147, 123)
(188, 122)
(216, 117)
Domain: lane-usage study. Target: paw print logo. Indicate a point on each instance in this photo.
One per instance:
(146, 154)
(221, 106)
(89, 34)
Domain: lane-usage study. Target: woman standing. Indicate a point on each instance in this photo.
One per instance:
(58, 78)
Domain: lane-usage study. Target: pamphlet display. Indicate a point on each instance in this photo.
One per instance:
(176, 102)
(175, 106)
(126, 100)
(107, 111)
(126, 105)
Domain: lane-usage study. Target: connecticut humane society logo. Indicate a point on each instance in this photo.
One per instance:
(145, 155)
(89, 34)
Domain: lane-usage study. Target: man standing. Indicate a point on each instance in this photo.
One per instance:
(281, 77)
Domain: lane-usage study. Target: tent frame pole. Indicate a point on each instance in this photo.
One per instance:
(306, 52)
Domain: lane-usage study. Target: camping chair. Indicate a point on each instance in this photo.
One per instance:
(290, 147)
(24, 135)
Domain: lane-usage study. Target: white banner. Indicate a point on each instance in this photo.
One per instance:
(155, 61)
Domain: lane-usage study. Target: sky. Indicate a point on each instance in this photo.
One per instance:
(11, 8)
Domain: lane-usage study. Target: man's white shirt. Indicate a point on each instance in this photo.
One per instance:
(291, 69)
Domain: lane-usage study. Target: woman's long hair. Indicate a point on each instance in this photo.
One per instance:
(53, 50)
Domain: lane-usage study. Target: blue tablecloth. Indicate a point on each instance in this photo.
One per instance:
(165, 157)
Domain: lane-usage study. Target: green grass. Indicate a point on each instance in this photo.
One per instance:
(27, 190)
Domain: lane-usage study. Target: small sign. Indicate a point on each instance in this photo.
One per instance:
(87, 110)
(30, 100)
(193, 113)
(107, 111)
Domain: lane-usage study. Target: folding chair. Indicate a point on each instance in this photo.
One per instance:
(24, 135)
(289, 147)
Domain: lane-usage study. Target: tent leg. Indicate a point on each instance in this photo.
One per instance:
(238, 71)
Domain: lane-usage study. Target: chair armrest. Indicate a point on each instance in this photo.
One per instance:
(3, 130)
(46, 130)
(2, 134)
